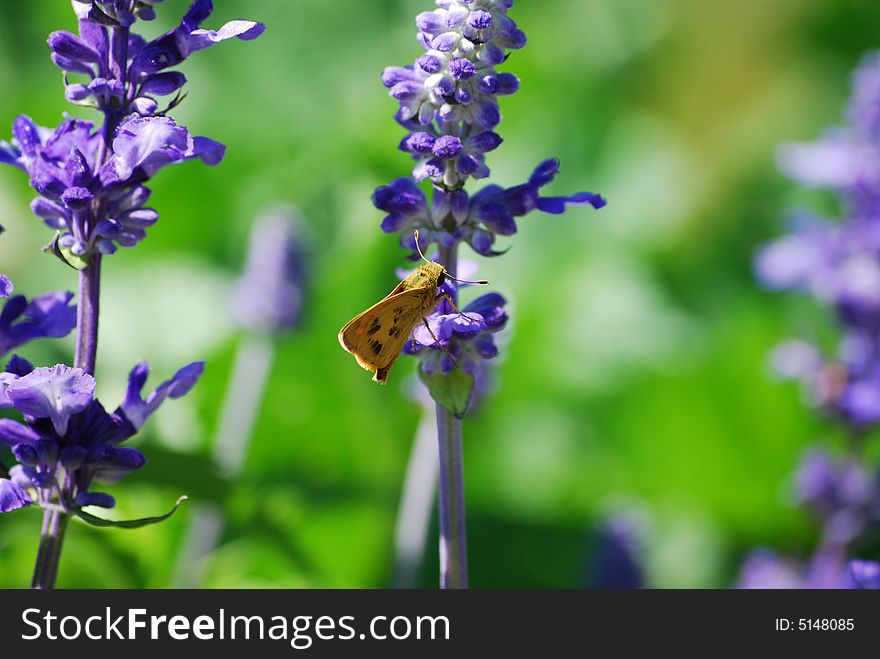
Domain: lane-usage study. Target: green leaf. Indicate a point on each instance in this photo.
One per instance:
(129, 523)
(64, 253)
(452, 391)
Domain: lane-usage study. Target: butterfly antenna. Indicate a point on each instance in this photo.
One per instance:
(481, 282)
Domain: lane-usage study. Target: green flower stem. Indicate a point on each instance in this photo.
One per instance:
(453, 531)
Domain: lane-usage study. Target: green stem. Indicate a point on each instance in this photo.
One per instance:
(49, 554)
(453, 526)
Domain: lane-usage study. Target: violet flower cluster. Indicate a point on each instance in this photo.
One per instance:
(838, 263)
(91, 179)
(448, 103)
(68, 441)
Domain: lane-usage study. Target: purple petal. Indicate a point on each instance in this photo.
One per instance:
(137, 410)
(12, 496)
(149, 143)
(56, 393)
(163, 84)
(13, 432)
(26, 134)
(207, 150)
(201, 39)
(99, 499)
(116, 463)
(557, 205)
(6, 286)
(71, 46)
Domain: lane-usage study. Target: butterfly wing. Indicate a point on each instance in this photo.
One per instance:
(376, 337)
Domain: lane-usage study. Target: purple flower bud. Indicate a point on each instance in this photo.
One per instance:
(407, 90)
(72, 47)
(13, 432)
(481, 241)
(462, 68)
(485, 141)
(76, 92)
(480, 20)
(463, 96)
(20, 366)
(487, 114)
(394, 223)
(435, 167)
(507, 84)
(141, 218)
(26, 455)
(72, 65)
(430, 22)
(467, 164)
(456, 17)
(430, 63)
(490, 54)
(447, 146)
(144, 106)
(26, 134)
(77, 198)
(420, 142)
(163, 84)
(445, 42)
(98, 499)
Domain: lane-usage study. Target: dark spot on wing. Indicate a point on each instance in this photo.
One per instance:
(394, 331)
(376, 346)
(375, 327)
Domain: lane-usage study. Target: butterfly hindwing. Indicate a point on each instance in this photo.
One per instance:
(377, 336)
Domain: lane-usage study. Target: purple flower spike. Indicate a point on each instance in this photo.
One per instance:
(137, 410)
(55, 393)
(269, 296)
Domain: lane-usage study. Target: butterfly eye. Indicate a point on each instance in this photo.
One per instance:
(441, 279)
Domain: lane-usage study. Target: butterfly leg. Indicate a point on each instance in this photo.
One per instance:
(437, 342)
(448, 298)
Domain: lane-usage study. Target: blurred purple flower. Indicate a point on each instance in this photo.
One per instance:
(616, 562)
(269, 295)
(6, 286)
(847, 159)
(865, 574)
(763, 569)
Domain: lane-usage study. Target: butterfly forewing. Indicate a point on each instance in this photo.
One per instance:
(376, 337)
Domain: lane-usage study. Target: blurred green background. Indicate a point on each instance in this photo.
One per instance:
(634, 373)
